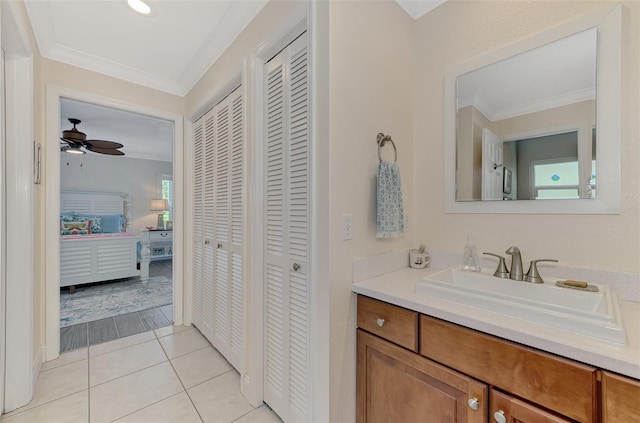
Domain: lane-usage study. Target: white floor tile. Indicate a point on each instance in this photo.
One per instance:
(183, 343)
(219, 399)
(199, 366)
(59, 382)
(71, 409)
(117, 344)
(123, 396)
(177, 408)
(260, 415)
(65, 358)
(127, 360)
(169, 330)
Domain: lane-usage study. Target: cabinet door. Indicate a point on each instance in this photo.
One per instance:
(508, 409)
(397, 385)
(620, 399)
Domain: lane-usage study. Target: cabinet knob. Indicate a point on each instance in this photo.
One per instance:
(380, 322)
(219, 245)
(206, 242)
(499, 417)
(296, 267)
(474, 404)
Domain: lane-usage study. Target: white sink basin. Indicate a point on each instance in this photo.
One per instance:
(594, 314)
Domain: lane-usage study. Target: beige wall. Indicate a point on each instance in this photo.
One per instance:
(464, 30)
(371, 90)
(229, 65)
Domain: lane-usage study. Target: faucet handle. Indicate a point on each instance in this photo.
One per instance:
(533, 275)
(501, 271)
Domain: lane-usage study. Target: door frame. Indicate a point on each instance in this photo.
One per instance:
(312, 17)
(52, 204)
(20, 364)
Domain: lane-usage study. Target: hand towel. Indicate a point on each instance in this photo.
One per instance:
(390, 212)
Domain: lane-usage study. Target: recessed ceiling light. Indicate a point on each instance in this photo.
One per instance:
(139, 6)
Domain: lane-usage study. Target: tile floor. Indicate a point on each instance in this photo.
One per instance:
(171, 374)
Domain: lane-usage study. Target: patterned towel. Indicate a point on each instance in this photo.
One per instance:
(390, 213)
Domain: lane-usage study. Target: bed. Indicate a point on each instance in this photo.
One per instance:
(90, 254)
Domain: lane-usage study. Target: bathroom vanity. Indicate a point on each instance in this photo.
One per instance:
(424, 359)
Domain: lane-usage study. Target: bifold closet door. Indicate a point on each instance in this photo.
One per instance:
(218, 226)
(287, 241)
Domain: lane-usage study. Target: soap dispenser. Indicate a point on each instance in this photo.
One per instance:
(470, 261)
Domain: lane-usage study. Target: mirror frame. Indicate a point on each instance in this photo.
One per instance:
(608, 107)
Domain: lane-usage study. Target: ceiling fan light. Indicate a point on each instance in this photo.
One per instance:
(139, 6)
(72, 150)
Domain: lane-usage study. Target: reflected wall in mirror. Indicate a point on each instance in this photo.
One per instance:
(536, 103)
(532, 114)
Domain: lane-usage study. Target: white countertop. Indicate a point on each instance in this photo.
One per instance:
(398, 288)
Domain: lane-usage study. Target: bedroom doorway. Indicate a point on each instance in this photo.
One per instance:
(99, 292)
(120, 186)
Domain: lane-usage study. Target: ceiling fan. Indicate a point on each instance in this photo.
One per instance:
(77, 142)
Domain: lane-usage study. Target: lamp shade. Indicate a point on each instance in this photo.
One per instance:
(159, 204)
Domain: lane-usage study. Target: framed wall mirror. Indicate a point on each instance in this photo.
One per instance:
(534, 127)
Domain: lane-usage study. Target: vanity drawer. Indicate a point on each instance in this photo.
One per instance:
(558, 384)
(390, 322)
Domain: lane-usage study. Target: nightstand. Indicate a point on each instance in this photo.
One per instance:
(161, 244)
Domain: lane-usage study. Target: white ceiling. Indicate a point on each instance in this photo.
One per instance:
(417, 8)
(168, 51)
(143, 137)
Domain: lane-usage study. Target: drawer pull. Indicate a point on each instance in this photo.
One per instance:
(380, 322)
(296, 267)
(219, 245)
(474, 404)
(207, 242)
(164, 234)
(499, 417)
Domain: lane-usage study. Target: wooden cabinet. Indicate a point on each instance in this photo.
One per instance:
(412, 367)
(546, 379)
(397, 385)
(506, 408)
(620, 399)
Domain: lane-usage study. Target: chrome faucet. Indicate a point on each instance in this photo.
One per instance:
(516, 264)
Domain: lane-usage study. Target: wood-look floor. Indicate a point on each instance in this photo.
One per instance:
(110, 328)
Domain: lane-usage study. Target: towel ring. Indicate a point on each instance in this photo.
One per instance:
(382, 139)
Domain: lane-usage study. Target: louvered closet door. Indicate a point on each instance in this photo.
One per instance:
(287, 233)
(198, 218)
(218, 226)
(229, 212)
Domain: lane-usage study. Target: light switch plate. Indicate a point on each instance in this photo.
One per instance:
(347, 227)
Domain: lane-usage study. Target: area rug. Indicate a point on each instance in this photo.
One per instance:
(113, 299)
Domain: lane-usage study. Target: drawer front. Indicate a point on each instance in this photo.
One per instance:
(515, 410)
(390, 322)
(160, 236)
(620, 399)
(563, 386)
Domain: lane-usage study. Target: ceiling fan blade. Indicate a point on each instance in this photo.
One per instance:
(109, 151)
(103, 144)
(72, 142)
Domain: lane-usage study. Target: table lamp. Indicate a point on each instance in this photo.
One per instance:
(161, 205)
